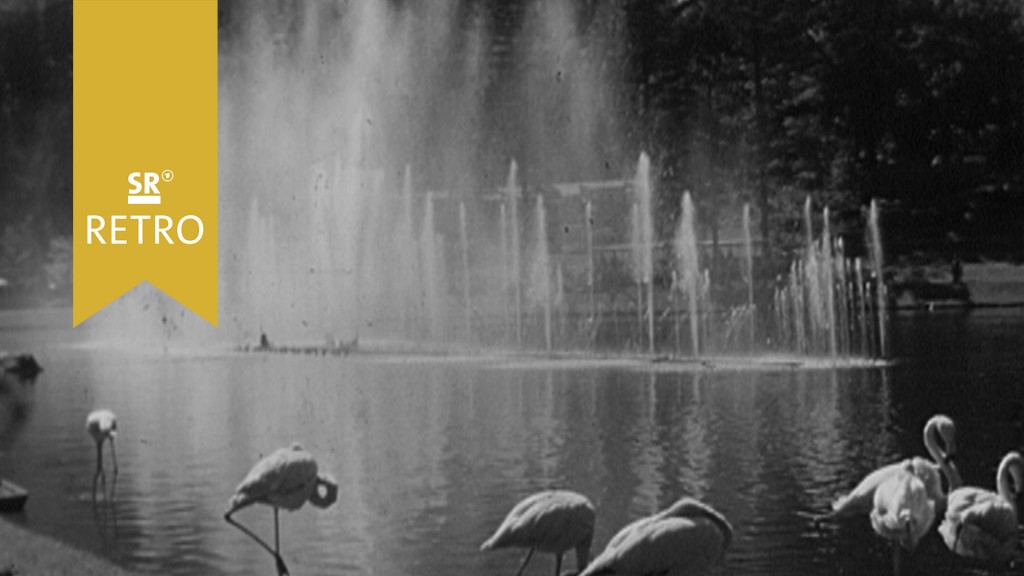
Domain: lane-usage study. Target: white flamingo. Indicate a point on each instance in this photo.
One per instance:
(554, 521)
(285, 479)
(939, 427)
(102, 426)
(903, 512)
(687, 539)
(983, 524)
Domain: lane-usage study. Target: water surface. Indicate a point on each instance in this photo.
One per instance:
(430, 454)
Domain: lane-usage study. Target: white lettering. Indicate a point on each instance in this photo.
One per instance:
(90, 230)
(114, 229)
(133, 179)
(198, 236)
(162, 230)
(139, 219)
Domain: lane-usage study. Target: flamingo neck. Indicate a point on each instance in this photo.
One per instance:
(940, 456)
(694, 509)
(1011, 469)
(931, 443)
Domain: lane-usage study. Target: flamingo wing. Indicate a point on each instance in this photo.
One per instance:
(671, 546)
(930, 474)
(285, 479)
(902, 510)
(980, 524)
(861, 498)
(552, 521)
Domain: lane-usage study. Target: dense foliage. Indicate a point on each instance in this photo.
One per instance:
(918, 102)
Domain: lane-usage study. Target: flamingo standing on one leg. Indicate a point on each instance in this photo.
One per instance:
(554, 521)
(983, 524)
(285, 479)
(102, 426)
(687, 539)
(903, 511)
(939, 427)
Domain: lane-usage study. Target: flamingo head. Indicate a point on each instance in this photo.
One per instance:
(943, 428)
(330, 491)
(687, 507)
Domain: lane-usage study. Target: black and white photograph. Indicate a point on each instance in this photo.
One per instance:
(540, 287)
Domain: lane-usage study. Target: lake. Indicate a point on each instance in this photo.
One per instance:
(431, 453)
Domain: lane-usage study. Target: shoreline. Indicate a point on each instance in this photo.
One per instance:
(25, 553)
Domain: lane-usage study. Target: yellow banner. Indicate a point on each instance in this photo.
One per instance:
(145, 152)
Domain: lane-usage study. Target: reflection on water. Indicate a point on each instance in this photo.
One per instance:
(431, 456)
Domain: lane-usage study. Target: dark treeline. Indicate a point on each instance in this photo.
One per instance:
(35, 143)
(917, 102)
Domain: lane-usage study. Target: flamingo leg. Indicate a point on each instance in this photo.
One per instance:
(99, 470)
(282, 570)
(525, 562)
(114, 454)
(277, 535)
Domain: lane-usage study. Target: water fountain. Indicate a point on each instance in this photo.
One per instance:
(689, 268)
(467, 301)
(540, 273)
(371, 213)
(645, 236)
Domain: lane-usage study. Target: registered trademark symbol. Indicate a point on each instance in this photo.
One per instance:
(167, 175)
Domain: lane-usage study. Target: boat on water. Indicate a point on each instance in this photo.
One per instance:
(12, 496)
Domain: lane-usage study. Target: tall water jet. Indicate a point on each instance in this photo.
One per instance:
(748, 258)
(797, 276)
(588, 224)
(675, 312)
(642, 186)
(636, 248)
(689, 267)
(429, 256)
(467, 303)
(506, 277)
(828, 282)
(808, 224)
(540, 278)
(862, 320)
(877, 262)
(512, 193)
(410, 277)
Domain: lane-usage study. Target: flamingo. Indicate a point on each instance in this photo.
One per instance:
(939, 427)
(102, 426)
(903, 511)
(554, 521)
(285, 479)
(983, 524)
(686, 539)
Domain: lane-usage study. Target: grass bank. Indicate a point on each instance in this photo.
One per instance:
(25, 553)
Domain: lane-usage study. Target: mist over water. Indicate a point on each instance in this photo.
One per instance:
(324, 105)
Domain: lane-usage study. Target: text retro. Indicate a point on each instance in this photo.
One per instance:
(147, 228)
